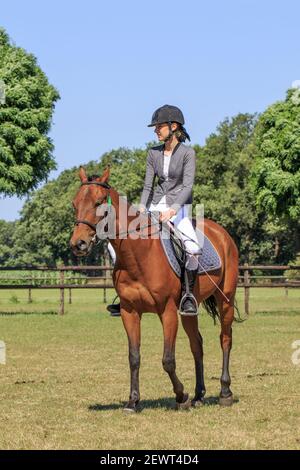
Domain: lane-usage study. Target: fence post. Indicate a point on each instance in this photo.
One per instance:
(70, 295)
(105, 280)
(30, 278)
(286, 289)
(62, 293)
(247, 288)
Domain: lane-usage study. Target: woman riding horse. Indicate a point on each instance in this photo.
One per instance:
(142, 275)
(174, 164)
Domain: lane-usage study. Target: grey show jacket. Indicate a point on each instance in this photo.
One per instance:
(179, 184)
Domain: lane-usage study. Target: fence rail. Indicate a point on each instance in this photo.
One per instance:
(105, 282)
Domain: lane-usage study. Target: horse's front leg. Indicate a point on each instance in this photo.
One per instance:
(132, 324)
(169, 321)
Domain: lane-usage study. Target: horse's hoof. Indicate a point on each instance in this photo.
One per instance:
(226, 401)
(185, 405)
(130, 408)
(197, 403)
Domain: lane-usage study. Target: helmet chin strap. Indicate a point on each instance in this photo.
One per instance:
(170, 133)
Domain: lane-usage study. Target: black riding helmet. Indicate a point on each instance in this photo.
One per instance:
(167, 113)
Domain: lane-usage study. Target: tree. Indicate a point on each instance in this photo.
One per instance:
(223, 171)
(6, 241)
(224, 166)
(43, 233)
(127, 171)
(276, 174)
(25, 119)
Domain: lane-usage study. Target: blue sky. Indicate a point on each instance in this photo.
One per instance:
(114, 62)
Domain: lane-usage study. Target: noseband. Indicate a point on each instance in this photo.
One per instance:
(86, 222)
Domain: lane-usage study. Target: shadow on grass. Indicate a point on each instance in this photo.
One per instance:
(21, 312)
(278, 313)
(165, 403)
(265, 374)
(212, 401)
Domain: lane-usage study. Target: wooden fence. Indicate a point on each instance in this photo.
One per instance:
(274, 281)
(246, 280)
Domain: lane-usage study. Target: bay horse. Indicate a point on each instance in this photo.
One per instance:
(145, 282)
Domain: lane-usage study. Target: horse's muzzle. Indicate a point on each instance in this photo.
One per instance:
(80, 248)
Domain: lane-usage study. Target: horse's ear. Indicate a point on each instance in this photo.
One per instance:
(105, 176)
(82, 175)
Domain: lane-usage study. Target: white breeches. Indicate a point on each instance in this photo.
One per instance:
(111, 252)
(182, 221)
(184, 224)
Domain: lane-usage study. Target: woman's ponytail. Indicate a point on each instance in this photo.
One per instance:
(182, 134)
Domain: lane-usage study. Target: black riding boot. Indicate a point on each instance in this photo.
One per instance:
(188, 303)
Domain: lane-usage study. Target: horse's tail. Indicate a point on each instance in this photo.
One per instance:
(238, 319)
(211, 306)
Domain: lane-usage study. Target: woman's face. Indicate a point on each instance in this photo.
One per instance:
(162, 130)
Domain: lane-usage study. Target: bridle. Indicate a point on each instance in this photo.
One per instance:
(95, 238)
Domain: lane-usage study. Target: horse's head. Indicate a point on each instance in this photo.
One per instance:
(92, 193)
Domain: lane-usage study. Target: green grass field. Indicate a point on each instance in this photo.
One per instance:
(66, 378)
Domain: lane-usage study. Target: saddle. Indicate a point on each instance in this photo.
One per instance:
(174, 248)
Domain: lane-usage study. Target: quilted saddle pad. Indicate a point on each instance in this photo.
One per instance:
(209, 259)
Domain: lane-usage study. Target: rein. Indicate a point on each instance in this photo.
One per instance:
(95, 239)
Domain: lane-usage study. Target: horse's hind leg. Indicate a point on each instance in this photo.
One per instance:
(190, 325)
(226, 316)
(169, 321)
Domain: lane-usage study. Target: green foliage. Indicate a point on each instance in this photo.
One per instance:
(224, 164)
(25, 119)
(42, 235)
(224, 167)
(6, 241)
(40, 278)
(222, 179)
(293, 273)
(276, 175)
(127, 171)
(223, 184)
